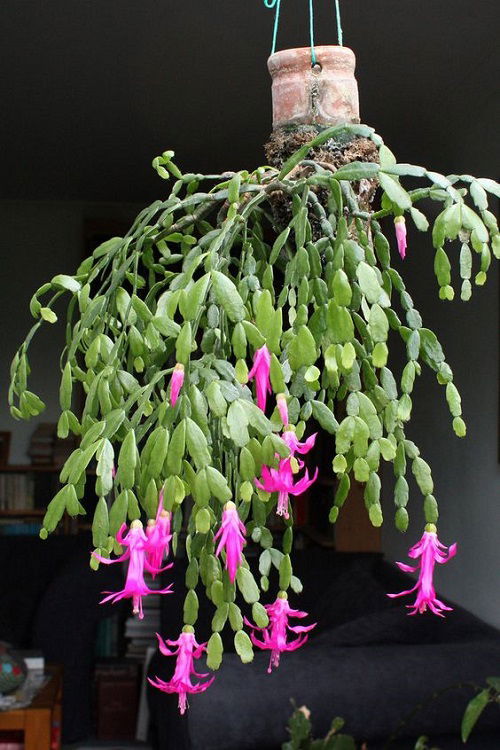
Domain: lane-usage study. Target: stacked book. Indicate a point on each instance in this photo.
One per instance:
(17, 491)
(142, 633)
(46, 449)
(42, 444)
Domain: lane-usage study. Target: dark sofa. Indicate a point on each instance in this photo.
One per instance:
(366, 661)
(50, 601)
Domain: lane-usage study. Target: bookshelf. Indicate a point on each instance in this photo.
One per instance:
(25, 491)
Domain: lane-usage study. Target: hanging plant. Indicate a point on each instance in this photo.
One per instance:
(231, 314)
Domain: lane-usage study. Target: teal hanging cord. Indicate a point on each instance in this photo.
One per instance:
(277, 4)
(340, 34)
(274, 4)
(311, 31)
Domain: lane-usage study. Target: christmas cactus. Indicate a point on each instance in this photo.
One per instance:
(234, 312)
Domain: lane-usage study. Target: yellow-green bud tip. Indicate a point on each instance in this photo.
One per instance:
(188, 629)
(282, 595)
(229, 505)
(431, 528)
(136, 524)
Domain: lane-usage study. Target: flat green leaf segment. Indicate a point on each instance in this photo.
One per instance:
(205, 278)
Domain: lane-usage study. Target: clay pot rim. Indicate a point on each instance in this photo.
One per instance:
(332, 58)
(316, 47)
(319, 50)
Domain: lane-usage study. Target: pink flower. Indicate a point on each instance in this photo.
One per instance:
(176, 382)
(430, 551)
(260, 371)
(282, 408)
(232, 538)
(295, 445)
(135, 586)
(187, 650)
(280, 480)
(159, 537)
(400, 225)
(274, 636)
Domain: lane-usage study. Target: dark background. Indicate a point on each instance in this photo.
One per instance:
(92, 90)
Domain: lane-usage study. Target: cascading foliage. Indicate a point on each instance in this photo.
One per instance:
(204, 279)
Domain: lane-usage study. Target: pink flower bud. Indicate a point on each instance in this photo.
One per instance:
(176, 382)
(400, 225)
(260, 371)
(282, 408)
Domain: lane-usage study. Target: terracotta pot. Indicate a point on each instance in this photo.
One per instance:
(326, 94)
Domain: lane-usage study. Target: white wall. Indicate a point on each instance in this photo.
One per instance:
(38, 240)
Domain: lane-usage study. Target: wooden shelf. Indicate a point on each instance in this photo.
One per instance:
(30, 468)
(22, 512)
(39, 718)
(37, 469)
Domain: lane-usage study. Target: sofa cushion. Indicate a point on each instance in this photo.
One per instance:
(349, 591)
(372, 688)
(396, 626)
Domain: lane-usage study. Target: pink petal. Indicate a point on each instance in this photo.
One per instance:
(407, 568)
(301, 628)
(108, 560)
(163, 647)
(297, 643)
(452, 551)
(403, 593)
